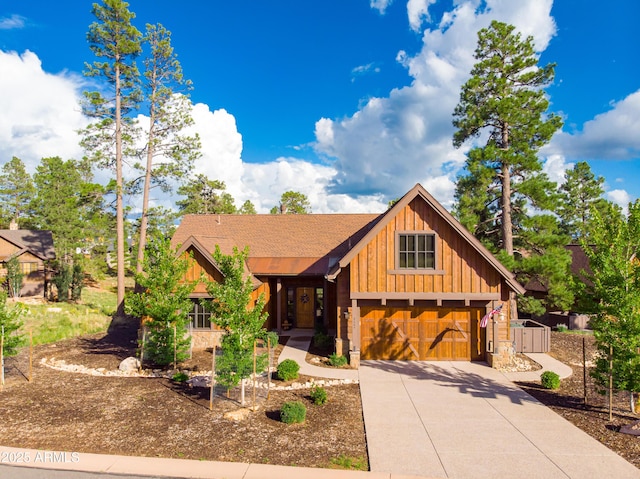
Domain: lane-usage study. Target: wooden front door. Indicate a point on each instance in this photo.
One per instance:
(421, 334)
(305, 308)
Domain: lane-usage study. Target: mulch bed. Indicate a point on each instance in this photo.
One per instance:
(160, 418)
(592, 417)
(60, 410)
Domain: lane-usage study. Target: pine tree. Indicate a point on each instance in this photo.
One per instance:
(201, 197)
(10, 323)
(169, 152)
(504, 101)
(116, 44)
(16, 189)
(579, 194)
(293, 203)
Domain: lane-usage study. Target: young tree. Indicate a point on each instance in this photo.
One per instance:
(201, 197)
(169, 152)
(504, 101)
(233, 313)
(16, 189)
(614, 290)
(292, 203)
(11, 321)
(15, 277)
(164, 302)
(579, 194)
(116, 44)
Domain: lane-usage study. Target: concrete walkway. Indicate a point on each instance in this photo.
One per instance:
(296, 349)
(466, 420)
(548, 364)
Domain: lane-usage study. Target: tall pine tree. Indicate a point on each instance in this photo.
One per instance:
(115, 42)
(169, 152)
(504, 103)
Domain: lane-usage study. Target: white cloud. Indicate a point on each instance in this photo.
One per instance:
(418, 12)
(380, 5)
(12, 22)
(620, 198)
(395, 141)
(555, 167)
(614, 134)
(40, 111)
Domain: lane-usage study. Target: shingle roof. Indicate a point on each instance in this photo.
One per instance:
(39, 243)
(280, 244)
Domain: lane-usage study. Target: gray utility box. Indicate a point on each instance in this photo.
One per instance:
(529, 336)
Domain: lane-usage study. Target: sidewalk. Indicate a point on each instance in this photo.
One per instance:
(175, 468)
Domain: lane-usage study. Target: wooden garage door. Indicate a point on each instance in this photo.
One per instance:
(451, 334)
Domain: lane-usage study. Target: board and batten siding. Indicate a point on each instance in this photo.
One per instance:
(459, 267)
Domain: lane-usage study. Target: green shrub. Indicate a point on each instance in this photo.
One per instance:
(561, 327)
(321, 340)
(180, 377)
(337, 361)
(550, 380)
(288, 370)
(318, 395)
(293, 412)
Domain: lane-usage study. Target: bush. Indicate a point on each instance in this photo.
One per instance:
(550, 380)
(321, 340)
(318, 395)
(337, 361)
(293, 412)
(562, 328)
(180, 377)
(288, 370)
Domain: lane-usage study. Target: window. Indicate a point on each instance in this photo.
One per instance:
(200, 318)
(417, 251)
(28, 267)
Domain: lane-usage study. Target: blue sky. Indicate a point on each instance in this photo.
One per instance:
(349, 101)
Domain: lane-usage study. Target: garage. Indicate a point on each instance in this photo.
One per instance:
(415, 333)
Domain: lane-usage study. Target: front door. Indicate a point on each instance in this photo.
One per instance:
(304, 308)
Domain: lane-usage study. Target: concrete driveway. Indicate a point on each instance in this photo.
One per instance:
(465, 420)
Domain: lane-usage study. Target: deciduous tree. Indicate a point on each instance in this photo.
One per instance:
(233, 312)
(163, 302)
(614, 290)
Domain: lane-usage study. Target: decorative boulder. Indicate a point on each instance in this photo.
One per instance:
(129, 364)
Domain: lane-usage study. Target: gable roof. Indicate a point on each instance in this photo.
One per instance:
(313, 244)
(419, 191)
(38, 243)
(280, 244)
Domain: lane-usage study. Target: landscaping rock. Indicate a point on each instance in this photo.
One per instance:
(129, 364)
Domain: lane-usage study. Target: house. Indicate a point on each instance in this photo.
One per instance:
(411, 283)
(34, 250)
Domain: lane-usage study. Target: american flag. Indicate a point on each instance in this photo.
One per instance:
(485, 318)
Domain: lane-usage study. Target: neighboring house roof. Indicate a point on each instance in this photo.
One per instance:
(312, 244)
(38, 243)
(280, 244)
